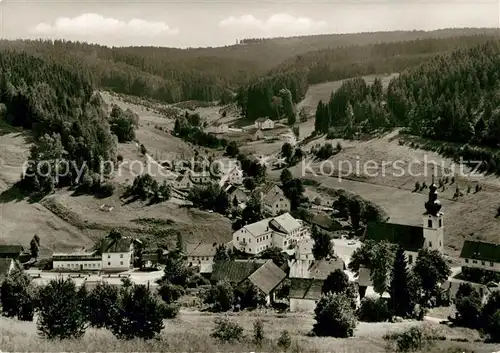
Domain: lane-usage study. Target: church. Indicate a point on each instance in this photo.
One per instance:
(430, 235)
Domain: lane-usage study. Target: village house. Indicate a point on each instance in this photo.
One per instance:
(480, 255)
(233, 176)
(306, 282)
(264, 124)
(117, 254)
(219, 128)
(412, 238)
(258, 135)
(202, 177)
(77, 261)
(201, 255)
(235, 192)
(281, 232)
(183, 182)
(242, 274)
(274, 200)
(9, 259)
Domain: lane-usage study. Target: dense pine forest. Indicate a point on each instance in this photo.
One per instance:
(340, 63)
(452, 97)
(57, 102)
(210, 74)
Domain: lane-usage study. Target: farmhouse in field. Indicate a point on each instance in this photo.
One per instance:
(243, 274)
(258, 135)
(183, 182)
(201, 255)
(264, 124)
(235, 192)
(281, 232)
(115, 255)
(274, 200)
(411, 238)
(307, 278)
(219, 128)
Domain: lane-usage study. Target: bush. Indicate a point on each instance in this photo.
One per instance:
(170, 292)
(285, 341)
(138, 313)
(411, 340)
(17, 296)
(60, 311)
(171, 311)
(374, 310)
(101, 303)
(335, 316)
(221, 296)
(227, 331)
(106, 190)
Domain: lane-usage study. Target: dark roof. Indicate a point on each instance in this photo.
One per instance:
(10, 251)
(76, 257)
(411, 238)
(267, 277)
(201, 249)
(481, 251)
(235, 271)
(305, 288)
(116, 245)
(259, 120)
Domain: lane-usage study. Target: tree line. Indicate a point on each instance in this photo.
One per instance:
(330, 64)
(451, 97)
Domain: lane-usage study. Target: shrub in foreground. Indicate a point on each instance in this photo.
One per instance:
(374, 310)
(226, 330)
(61, 314)
(335, 316)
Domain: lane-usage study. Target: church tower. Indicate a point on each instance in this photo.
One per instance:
(433, 226)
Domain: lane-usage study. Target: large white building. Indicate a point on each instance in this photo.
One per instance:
(282, 232)
(115, 255)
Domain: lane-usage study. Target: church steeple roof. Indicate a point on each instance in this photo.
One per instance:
(433, 205)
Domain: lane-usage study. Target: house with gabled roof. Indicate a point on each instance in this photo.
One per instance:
(117, 254)
(235, 192)
(281, 232)
(263, 274)
(201, 255)
(183, 182)
(306, 281)
(478, 254)
(219, 128)
(264, 124)
(274, 200)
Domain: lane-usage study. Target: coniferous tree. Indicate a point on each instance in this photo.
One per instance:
(60, 310)
(402, 299)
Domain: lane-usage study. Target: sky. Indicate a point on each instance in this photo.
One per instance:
(204, 23)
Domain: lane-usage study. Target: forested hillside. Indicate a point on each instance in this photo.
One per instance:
(343, 62)
(208, 74)
(452, 97)
(57, 102)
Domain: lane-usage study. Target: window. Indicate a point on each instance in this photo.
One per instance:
(238, 238)
(430, 244)
(109, 263)
(410, 259)
(109, 256)
(474, 261)
(429, 223)
(121, 262)
(491, 264)
(121, 256)
(440, 222)
(482, 263)
(466, 261)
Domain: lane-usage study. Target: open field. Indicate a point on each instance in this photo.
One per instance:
(189, 332)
